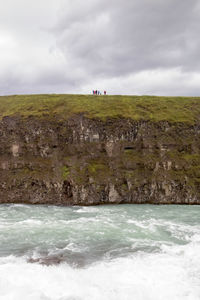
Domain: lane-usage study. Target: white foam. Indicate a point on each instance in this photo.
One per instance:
(30, 222)
(87, 209)
(171, 274)
(163, 264)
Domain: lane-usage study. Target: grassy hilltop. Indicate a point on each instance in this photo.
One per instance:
(172, 109)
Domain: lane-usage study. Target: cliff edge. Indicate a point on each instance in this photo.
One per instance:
(89, 150)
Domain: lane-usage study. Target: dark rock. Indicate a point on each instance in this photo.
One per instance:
(84, 161)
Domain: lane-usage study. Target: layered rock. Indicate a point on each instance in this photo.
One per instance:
(84, 161)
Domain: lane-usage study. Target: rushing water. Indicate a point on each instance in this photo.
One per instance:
(120, 252)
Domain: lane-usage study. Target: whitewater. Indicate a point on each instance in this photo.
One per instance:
(115, 252)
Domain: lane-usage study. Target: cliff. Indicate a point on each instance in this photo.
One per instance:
(84, 150)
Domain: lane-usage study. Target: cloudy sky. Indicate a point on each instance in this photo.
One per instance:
(122, 46)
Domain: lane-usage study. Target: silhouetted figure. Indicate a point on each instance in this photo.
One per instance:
(104, 92)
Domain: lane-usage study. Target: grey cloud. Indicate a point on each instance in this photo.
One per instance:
(75, 45)
(121, 37)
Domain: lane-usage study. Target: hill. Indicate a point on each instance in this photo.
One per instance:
(172, 109)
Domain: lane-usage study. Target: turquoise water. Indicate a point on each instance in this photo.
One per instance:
(104, 252)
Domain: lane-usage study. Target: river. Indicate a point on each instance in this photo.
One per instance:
(117, 252)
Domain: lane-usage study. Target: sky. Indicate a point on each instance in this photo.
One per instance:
(133, 47)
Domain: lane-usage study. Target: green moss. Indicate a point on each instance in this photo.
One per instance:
(90, 171)
(26, 173)
(124, 187)
(178, 175)
(194, 172)
(192, 159)
(95, 168)
(65, 172)
(99, 170)
(133, 155)
(172, 109)
(184, 159)
(78, 173)
(128, 151)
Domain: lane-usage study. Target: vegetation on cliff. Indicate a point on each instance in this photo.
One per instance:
(172, 109)
(84, 150)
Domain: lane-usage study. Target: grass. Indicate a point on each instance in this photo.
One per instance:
(171, 109)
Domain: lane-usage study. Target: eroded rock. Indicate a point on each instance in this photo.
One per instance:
(83, 161)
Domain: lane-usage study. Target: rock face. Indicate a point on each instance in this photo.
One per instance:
(82, 161)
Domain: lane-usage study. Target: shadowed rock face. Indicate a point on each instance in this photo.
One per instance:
(84, 161)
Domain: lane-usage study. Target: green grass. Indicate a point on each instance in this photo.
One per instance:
(172, 109)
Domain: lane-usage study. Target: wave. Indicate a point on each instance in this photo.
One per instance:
(172, 274)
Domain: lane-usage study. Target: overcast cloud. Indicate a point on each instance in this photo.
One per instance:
(122, 46)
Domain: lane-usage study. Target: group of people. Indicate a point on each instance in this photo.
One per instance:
(96, 92)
